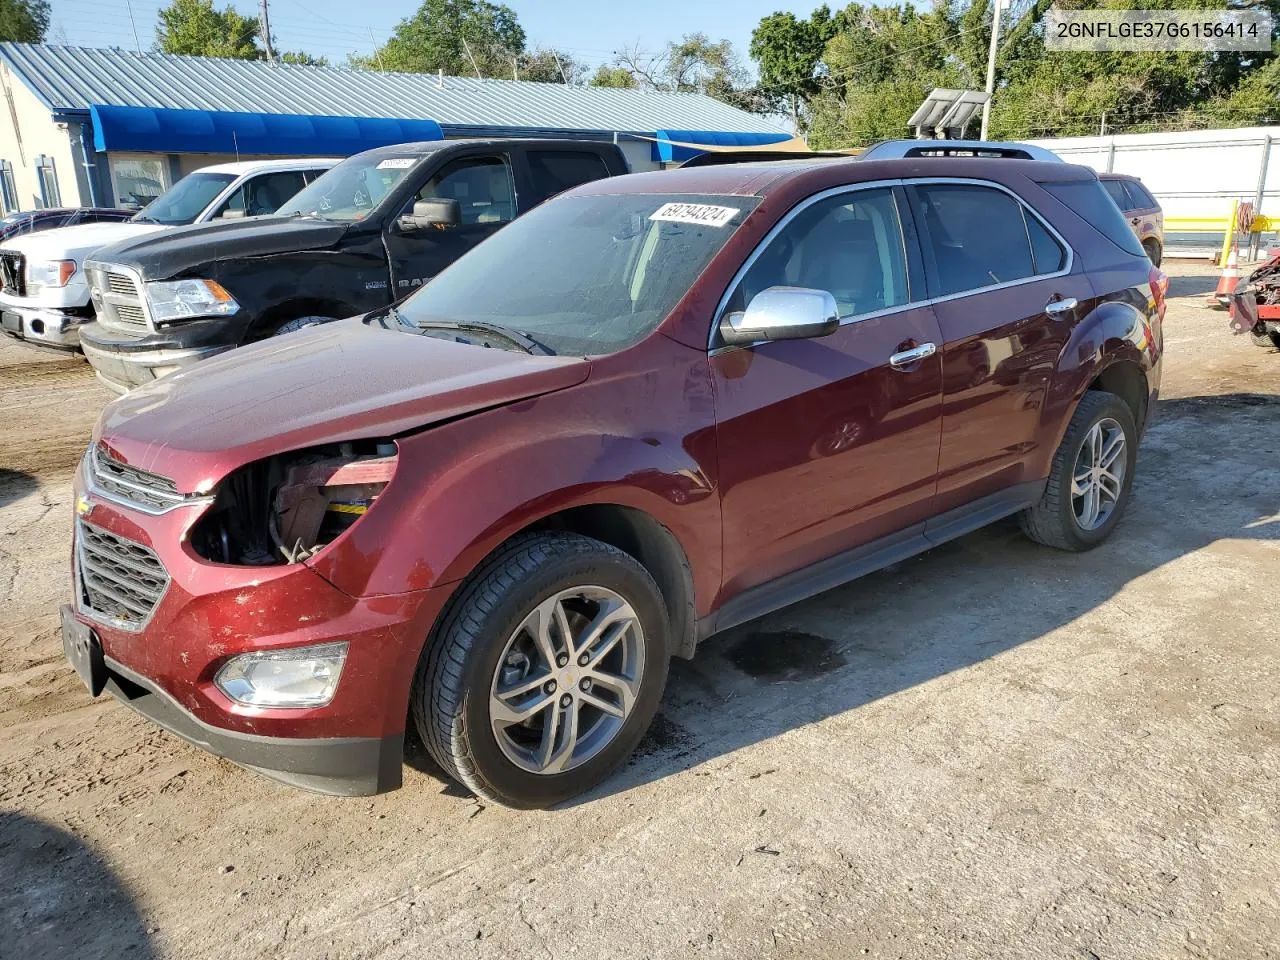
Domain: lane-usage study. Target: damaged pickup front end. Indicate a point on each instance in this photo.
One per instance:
(1255, 305)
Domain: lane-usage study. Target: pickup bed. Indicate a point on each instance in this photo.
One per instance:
(370, 231)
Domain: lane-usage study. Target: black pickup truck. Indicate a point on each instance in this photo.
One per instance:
(369, 231)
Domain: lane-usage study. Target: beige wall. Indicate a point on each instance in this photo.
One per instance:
(39, 135)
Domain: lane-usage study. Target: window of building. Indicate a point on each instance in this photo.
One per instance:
(849, 245)
(48, 177)
(8, 190)
(555, 171)
(136, 181)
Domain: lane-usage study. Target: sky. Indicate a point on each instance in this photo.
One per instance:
(590, 30)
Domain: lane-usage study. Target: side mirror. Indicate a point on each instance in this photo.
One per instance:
(782, 313)
(427, 214)
(230, 214)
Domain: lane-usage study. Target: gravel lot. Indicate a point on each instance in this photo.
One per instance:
(993, 750)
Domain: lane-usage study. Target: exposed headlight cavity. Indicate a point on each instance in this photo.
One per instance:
(287, 507)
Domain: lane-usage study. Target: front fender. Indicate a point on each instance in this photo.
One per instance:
(462, 488)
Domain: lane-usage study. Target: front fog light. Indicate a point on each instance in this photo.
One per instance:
(301, 677)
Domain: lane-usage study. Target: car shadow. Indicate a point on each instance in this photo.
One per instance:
(15, 485)
(966, 601)
(59, 899)
(1200, 285)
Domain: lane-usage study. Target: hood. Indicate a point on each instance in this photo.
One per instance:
(76, 243)
(342, 381)
(180, 249)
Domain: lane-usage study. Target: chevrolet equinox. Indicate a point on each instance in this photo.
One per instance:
(652, 408)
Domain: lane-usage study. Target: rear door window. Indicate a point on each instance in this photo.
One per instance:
(554, 171)
(1048, 253)
(974, 236)
(1142, 197)
(1090, 202)
(1115, 189)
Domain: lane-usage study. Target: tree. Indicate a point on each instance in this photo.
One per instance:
(460, 37)
(789, 51)
(24, 21)
(300, 59)
(617, 77)
(547, 65)
(693, 65)
(195, 28)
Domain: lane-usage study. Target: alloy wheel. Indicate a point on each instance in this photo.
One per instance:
(567, 679)
(1097, 479)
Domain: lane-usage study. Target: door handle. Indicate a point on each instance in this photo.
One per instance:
(1056, 308)
(1135, 221)
(905, 358)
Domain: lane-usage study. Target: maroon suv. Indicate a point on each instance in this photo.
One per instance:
(653, 408)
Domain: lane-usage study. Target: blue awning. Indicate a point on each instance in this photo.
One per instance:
(155, 130)
(673, 152)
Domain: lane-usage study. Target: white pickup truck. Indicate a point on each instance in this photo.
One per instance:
(44, 298)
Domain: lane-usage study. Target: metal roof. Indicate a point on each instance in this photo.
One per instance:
(73, 78)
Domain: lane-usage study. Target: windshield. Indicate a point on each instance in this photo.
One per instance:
(186, 199)
(584, 275)
(350, 190)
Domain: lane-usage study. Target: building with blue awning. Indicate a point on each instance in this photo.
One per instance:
(97, 127)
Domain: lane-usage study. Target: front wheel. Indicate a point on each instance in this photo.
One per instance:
(300, 323)
(1265, 338)
(1090, 479)
(545, 671)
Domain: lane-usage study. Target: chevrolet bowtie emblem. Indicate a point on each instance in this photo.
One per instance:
(84, 506)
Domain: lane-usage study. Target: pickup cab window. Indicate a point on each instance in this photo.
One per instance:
(187, 200)
(555, 171)
(481, 185)
(264, 193)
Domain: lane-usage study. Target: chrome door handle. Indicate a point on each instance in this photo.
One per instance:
(1056, 308)
(904, 359)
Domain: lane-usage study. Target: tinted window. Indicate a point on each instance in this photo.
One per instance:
(1141, 196)
(1047, 252)
(1115, 189)
(615, 269)
(849, 245)
(554, 171)
(1089, 201)
(481, 185)
(974, 236)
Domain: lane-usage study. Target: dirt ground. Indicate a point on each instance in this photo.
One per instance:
(993, 750)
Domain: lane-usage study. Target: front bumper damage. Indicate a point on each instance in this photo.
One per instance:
(123, 361)
(199, 614)
(1254, 305)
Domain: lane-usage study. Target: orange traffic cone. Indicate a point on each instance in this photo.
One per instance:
(1227, 281)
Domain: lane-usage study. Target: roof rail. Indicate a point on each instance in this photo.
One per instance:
(900, 149)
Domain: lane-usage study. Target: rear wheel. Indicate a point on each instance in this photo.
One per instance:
(545, 672)
(1154, 253)
(1091, 477)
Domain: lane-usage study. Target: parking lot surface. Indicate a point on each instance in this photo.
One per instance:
(992, 750)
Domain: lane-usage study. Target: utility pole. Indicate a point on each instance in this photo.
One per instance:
(264, 28)
(1102, 128)
(136, 42)
(467, 47)
(991, 68)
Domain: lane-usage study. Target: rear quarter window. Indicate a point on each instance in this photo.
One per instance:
(555, 171)
(1090, 202)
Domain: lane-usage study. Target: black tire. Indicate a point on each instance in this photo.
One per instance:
(450, 699)
(1263, 338)
(1053, 520)
(1154, 252)
(300, 323)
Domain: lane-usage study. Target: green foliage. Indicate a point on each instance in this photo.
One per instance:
(547, 65)
(195, 28)
(460, 37)
(24, 21)
(855, 76)
(694, 64)
(300, 59)
(607, 76)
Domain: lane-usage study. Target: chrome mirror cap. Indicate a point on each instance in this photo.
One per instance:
(782, 313)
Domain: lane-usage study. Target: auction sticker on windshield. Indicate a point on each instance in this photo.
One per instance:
(706, 214)
(397, 163)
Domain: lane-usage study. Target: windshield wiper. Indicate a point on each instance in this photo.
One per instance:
(139, 218)
(521, 340)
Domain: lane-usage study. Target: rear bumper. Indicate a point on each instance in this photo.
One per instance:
(42, 327)
(339, 766)
(123, 362)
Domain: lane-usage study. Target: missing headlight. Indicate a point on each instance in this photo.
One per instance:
(287, 507)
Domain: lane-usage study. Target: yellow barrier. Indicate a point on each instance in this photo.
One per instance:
(1260, 224)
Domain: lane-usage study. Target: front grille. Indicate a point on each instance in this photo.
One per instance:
(117, 299)
(147, 491)
(12, 278)
(121, 284)
(119, 581)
